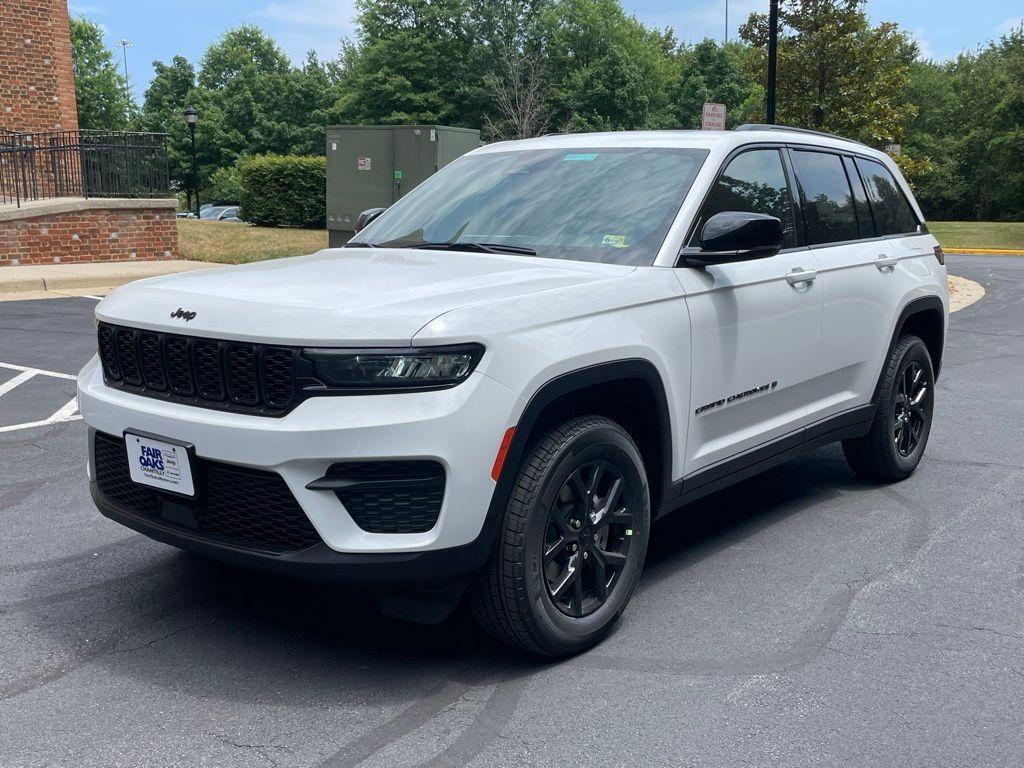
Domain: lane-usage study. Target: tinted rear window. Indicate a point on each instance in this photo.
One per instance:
(893, 214)
(829, 207)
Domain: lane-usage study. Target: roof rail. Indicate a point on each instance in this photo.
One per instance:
(791, 129)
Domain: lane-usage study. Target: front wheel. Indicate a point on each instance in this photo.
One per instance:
(903, 419)
(572, 541)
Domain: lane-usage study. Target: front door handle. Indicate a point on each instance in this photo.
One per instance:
(885, 263)
(799, 276)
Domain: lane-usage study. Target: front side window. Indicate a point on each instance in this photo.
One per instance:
(611, 205)
(893, 213)
(752, 182)
(828, 200)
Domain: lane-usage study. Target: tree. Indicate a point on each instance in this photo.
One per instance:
(101, 92)
(171, 91)
(708, 71)
(519, 95)
(606, 70)
(410, 64)
(835, 71)
(970, 129)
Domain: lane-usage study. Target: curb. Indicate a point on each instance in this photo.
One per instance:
(984, 251)
(52, 284)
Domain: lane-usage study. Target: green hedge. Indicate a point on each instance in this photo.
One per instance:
(284, 190)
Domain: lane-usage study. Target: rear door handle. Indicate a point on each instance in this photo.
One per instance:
(799, 275)
(885, 263)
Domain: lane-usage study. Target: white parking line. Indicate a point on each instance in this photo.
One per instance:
(21, 378)
(37, 371)
(67, 412)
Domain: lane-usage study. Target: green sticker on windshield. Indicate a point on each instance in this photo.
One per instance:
(579, 157)
(614, 241)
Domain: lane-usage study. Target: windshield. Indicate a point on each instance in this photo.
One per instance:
(606, 205)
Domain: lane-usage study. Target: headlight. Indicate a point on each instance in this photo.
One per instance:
(423, 368)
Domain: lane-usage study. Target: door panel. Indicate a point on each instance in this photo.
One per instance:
(754, 344)
(862, 297)
(754, 324)
(863, 284)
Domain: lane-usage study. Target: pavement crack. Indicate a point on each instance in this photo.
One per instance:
(976, 628)
(263, 750)
(160, 639)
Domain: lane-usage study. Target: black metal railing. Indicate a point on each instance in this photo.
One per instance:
(38, 166)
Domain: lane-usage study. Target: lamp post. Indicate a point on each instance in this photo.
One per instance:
(192, 117)
(125, 45)
(773, 44)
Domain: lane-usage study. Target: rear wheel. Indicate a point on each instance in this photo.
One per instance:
(572, 542)
(903, 419)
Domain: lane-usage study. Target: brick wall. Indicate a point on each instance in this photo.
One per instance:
(91, 235)
(37, 86)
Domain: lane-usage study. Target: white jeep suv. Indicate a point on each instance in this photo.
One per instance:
(499, 384)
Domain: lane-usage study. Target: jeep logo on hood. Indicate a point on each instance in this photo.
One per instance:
(183, 314)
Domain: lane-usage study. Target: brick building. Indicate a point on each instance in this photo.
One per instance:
(37, 86)
(65, 195)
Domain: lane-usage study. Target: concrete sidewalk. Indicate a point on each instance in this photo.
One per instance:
(53, 280)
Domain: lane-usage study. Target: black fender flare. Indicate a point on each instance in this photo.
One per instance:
(913, 307)
(565, 384)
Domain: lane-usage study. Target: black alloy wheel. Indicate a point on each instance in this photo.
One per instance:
(909, 415)
(586, 544)
(895, 442)
(572, 540)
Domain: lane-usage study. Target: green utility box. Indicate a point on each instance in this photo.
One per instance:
(372, 166)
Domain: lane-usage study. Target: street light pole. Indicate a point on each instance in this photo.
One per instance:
(125, 45)
(726, 21)
(773, 42)
(192, 117)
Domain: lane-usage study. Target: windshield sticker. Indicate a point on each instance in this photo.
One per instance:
(579, 157)
(614, 241)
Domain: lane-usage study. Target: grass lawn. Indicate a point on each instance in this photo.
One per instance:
(978, 234)
(238, 243)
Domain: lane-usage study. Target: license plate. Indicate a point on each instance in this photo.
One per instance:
(159, 464)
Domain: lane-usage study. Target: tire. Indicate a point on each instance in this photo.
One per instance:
(903, 419)
(564, 525)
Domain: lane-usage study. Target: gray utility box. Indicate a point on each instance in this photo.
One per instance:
(371, 166)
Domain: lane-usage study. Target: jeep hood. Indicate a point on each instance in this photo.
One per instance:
(338, 296)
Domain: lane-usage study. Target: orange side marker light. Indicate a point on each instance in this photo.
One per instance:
(506, 441)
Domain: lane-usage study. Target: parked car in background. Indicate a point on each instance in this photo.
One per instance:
(220, 213)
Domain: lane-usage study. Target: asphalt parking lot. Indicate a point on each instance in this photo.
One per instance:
(803, 618)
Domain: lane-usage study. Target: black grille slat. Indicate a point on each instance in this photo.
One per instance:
(236, 505)
(230, 375)
(411, 504)
(127, 356)
(208, 369)
(151, 361)
(240, 365)
(179, 365)
(278, 375)
(108, 354)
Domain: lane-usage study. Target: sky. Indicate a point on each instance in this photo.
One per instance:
(159, 30)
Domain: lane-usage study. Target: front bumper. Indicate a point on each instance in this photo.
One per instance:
(459, 427)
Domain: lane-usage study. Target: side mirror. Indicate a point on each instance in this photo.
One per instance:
(367, 216)
(737, 236)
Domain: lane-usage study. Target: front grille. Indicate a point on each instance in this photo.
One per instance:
(235, 505)
(206, 372)
(390, 496)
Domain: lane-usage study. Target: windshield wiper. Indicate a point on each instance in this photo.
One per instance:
(477, 247)
(360, 245)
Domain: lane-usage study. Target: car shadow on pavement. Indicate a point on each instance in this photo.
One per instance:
(188, 625)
